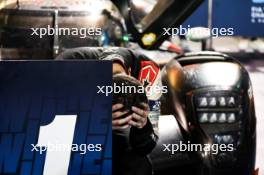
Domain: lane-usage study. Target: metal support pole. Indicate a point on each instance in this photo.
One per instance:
(17, 3)
(56, 46)
(210, 23)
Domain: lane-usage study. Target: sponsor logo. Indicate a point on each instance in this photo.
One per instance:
(148, 73)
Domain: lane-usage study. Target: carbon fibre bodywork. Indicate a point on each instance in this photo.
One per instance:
(210, 95)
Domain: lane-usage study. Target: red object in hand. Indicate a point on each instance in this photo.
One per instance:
(167, 45)
(256, 172)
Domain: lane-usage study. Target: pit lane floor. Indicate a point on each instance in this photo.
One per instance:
(256, 70)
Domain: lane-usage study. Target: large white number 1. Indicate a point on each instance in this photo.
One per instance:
(60, 131)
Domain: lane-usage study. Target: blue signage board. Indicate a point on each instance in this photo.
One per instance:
(52, 120)
(246, 17)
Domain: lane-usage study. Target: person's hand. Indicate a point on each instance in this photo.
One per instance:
(119, 123)
(139, 116)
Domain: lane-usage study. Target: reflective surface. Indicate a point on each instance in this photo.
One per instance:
(144, 12)
(17, 41)
(217, 104)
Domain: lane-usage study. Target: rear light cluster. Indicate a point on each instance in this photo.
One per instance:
(224, 139)
(220, 101)
(213, 117)
(226, 158)
(219, 114)
(217, 109)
